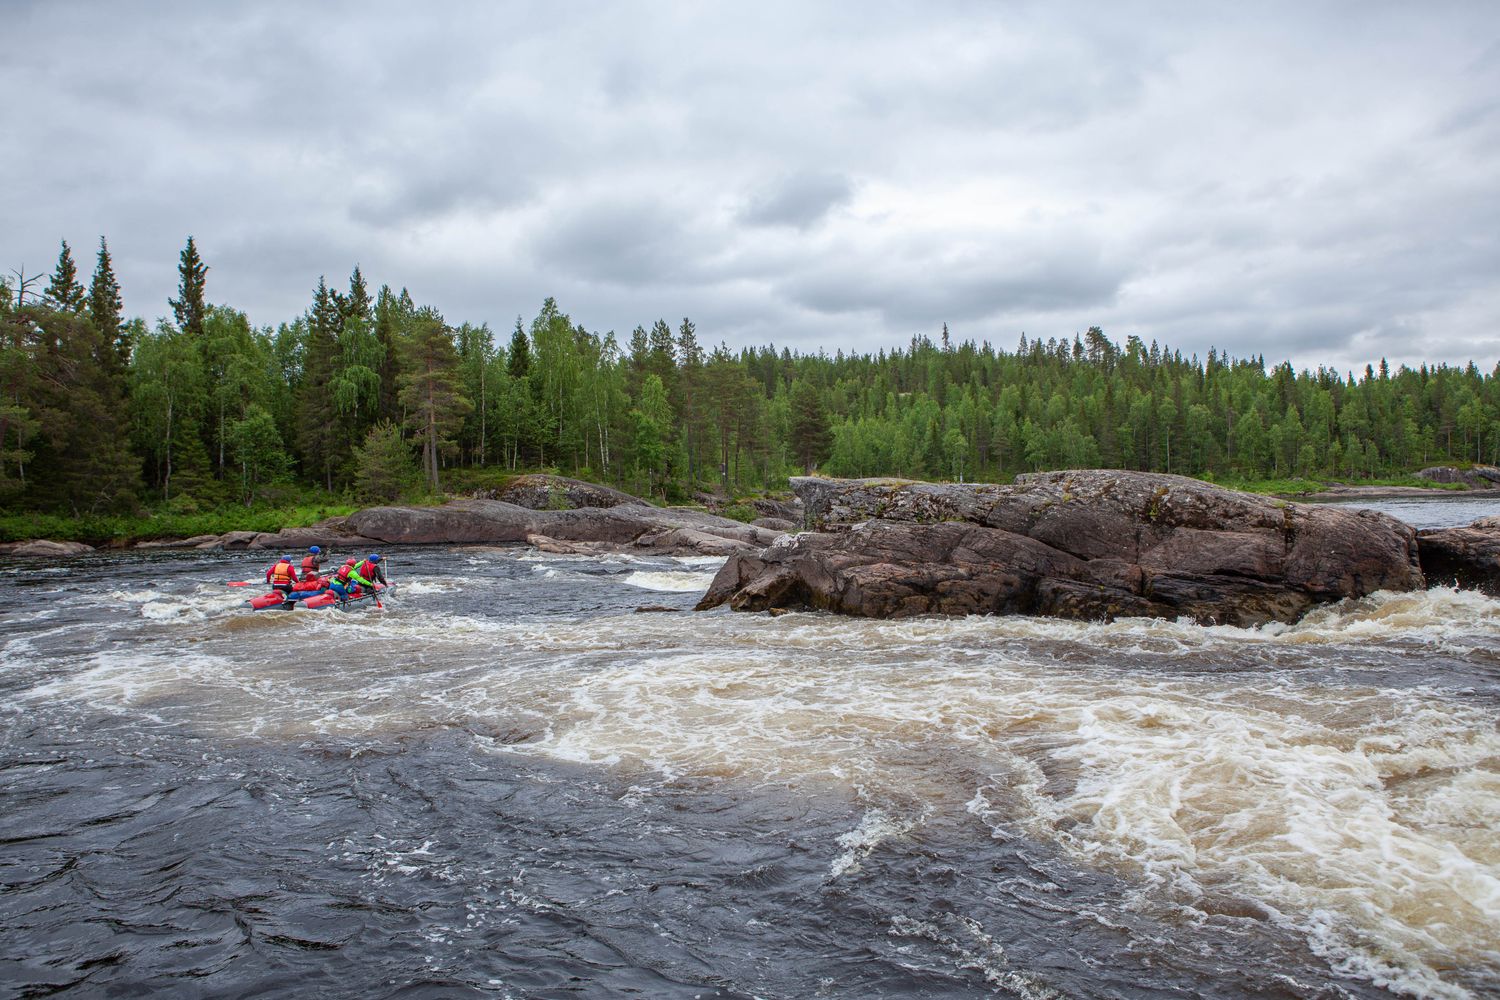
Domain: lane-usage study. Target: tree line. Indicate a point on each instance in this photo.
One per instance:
(375, 396)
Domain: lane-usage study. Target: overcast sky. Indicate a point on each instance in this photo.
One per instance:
(1312, 181)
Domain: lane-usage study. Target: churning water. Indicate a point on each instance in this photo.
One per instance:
(510, 783)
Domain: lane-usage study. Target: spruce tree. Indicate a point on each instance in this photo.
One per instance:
(65, 291)
(107, 310)
(318, 431)
(190, 307)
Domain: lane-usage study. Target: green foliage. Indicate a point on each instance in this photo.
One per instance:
(384, 470)
(219, 412)
(739, 512)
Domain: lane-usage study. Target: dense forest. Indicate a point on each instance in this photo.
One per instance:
(372, 396)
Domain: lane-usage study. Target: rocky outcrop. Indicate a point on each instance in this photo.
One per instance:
(331, 533)
(1463, 557)
(1479, 477)
(626, 526)
(544, 492)
(43, 548)
(1086, 544)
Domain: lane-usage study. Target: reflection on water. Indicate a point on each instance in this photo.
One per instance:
(756, 805)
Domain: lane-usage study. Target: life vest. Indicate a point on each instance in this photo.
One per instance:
(368, 570)
(309, 565)
(282, 573)
(342, 576)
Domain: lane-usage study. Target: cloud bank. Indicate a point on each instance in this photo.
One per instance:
(1313, 182)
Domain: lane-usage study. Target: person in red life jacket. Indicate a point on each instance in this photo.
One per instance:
(370, 572)
(312, 562)
(282, 575)
(342, 582)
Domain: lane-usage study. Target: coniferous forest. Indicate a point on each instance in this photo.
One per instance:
(370, 396)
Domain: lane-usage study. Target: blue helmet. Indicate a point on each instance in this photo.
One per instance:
(314, 549)
(375, 557)
(285, 559)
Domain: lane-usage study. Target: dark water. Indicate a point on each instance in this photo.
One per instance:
(510, 783)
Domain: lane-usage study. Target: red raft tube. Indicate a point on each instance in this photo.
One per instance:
(312, 597)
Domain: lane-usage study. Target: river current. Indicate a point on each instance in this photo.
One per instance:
(511, 782)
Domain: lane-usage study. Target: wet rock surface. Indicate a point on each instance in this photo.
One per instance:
(1093, 544)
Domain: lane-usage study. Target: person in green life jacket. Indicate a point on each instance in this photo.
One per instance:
(342, 582)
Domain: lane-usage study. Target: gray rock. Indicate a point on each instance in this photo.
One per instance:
(626, 526)
(43, 548)
(544, 492)
(1479, 477)
(1087, 544)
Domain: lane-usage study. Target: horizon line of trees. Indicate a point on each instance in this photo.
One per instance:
(376, 396)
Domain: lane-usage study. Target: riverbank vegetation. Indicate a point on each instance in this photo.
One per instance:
(199, 421)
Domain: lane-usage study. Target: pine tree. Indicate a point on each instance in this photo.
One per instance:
(190, 307)
(810, 434)
(430, 392)
(65, 291)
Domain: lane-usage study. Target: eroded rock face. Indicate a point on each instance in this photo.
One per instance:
(1086, 544)
(596, 529)
(1463, 557)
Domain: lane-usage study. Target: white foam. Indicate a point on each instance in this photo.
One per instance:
(875, 827)
(715, 561)
(670, 581)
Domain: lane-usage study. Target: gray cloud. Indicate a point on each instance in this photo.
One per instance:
(1263, 180)
(799, 201)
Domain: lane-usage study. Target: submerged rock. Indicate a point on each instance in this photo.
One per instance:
(1463, 557)
(1084, 544)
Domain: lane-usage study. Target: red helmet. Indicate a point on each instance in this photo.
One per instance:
(351, 562)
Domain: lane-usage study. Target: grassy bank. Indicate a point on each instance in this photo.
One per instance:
(125, 529)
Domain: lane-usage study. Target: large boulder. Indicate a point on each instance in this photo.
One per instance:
(1479, 477)
(44, 548)
(544, 492)
(1084, 544)
(626, 526)
(1463, 557)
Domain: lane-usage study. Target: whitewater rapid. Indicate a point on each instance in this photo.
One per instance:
(1334, 783)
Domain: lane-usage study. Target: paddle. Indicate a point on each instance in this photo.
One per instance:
(242, 583)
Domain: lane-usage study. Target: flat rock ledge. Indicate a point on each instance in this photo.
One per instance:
(589, 530)
(1091, 544)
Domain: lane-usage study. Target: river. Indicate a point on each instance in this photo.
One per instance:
(511, 783)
